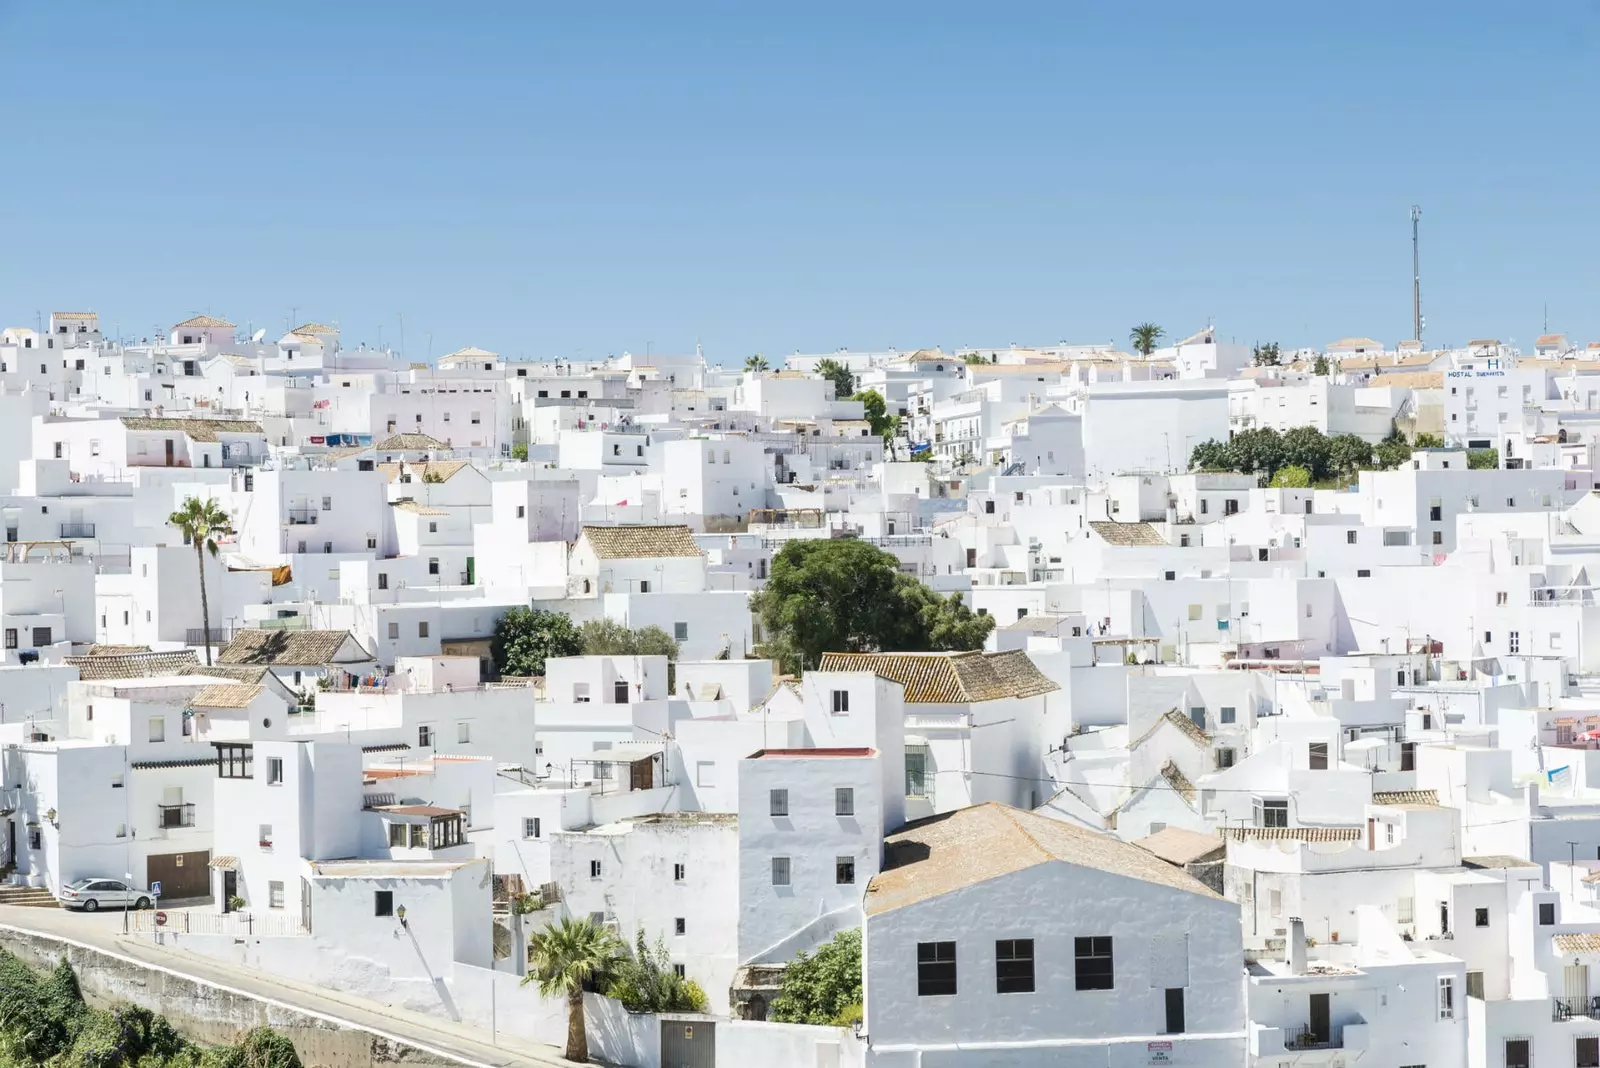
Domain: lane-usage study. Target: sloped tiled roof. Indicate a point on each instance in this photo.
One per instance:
(1293, 834)
(471, 352)
(204, 322)
(954, 850)
(1175, 845)
(198, 429)
(1187, 726)
(1405, 797)
(635, 542)
(283, 648)
(1127, 533)
(115, 650)
(949, 678)
(426, 471)
(409, 443)
(74, 315)
(1493, 861)
(1582, 942)
(227, 695)
(1178, 780)
(418, 509)
(242, 673)
(135, 665)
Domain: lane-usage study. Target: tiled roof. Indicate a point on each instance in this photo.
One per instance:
(204, 322)
(409, 443)
(1405, 797)
(182, 762)
(241, 673)
(417, 508)
(1187, 726)
(1583, 942)
(1495, 861)
(315, 328)
(471, 352)
(949, 678)
(1175, 845)
(958, 849)
(74, 315)
(1127, 533)
(1179, 781)
(198, 429)
(1355, 343)
(227, 695)
(134, 665)
(284, 648)
(1293, 834)
(427, 471)
(634, 542)
(115, 650)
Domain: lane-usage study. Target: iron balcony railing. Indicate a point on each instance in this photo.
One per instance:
(215, 636)
(1567, 1008)
(302, 517)
(176, 816)
(1305, 1037)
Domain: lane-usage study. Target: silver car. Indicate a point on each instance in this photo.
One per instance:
(91, 894)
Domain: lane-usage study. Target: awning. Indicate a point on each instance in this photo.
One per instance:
(225, 863)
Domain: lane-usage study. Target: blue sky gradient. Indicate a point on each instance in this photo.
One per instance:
(580, 180)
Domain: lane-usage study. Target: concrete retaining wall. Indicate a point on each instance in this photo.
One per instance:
(211, 1014)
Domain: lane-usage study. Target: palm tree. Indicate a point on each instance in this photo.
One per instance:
(201, 522)
(565, 957)
(1144, 338)
(756, 363)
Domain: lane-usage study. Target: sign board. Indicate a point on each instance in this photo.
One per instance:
(155, 888)
(1159, 1052)
(161, 919)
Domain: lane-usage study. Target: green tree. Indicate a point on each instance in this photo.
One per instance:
(844, 383)
(1427, 441)
(1307, 447)
(1392, 451)
(202, 521)
(607, 637)
(884, 425)
(974, 359)
(1348, 453)
(1321, 366)
(519, 451)
(1258, 450)
(1265, 355)
(1144, 338)
(756, 363)
(842, 595)
(647, 982)
(524, 638)
(567, 958)
(1210, 456)
(824, 988)
(1291, 476)
(1483, 459)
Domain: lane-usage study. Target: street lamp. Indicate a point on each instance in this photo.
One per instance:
(400, 914)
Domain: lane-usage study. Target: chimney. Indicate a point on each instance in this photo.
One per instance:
(1294, 947)
(1533, 800)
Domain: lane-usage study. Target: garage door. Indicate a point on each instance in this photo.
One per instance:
(181, 874)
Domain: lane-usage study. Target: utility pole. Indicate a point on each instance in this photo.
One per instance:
(1416, 275)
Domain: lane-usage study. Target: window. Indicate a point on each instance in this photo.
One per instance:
(394, 631)
(841, 702)
(778, 802)
(274, 771)
(644, 585)
(11, 637)
(422, 629)
(679, 872)
(1225, 758)
(1500, 598)
(1447, 998)
(1093, 963)
(158, 729)
(530, 827)
(463, 733)
(1363, 572)
(680, 926)
(1475, 988)
(383, 580)
(424, 737)
(522, 511)
(1517, 1053)
(35, 839)
(844, 801)
(916, 771)
(433, 565)
(844, 871)
(936, 969)
(680, 632)
(1480, 917)
(1271, 813)
(1013, 966)
(383, 902)
(41, 635)
(274, 894)
(1547, 913)
(1349, 537)
(1438, 537)
(594, 869)
(1514, 641)
(1586, 1051)
(780, 871)
(264, 836)
(1318, 753)
(1174, 1010)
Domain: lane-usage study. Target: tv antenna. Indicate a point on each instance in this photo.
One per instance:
(1416, 274)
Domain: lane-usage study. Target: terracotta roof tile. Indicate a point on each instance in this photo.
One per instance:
(284, 648)
(636, 542)
(409, 443)
(204, 322)
(1175, 845)
(198, 429)
(227, 695)
(1293, 834)
(1405, 797)
(1583, 942)
(135, 665)
(1127, 533)
(1185, 725)
(949, 678)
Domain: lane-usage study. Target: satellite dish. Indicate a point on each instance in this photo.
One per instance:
(257, 336)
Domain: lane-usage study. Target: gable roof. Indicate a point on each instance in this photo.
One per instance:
(409, 442)
(471, 352)
(1405, 797)
(285, 648)
(949, 678)
(1187, 726)
(1176, 845)
(1127, 533)
(417, 508)
(426, 470)
(134, 665)
(955, 850)
(227, 695)
(204, 322)
(634, 542)
(198, 429)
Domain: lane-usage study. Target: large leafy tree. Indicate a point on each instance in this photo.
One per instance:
(824, 988)
(884, 425)
(202, 521)
(844, 383)
(524, 638)
(1144, 338)
(566, 959)
(1210, 456)
(1349, 452)
(607, 637)
(647, 981)
(842, 595)
(1291, 476)
(1258, 449)
(1307, 447)
(1266, 355)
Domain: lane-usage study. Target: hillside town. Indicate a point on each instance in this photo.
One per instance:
(1186, 701)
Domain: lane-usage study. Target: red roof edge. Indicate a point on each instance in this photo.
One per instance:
(856, 752)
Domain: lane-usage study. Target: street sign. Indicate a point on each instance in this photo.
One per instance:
(155, 888)
(161, 919)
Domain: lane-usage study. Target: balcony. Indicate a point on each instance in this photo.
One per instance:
(201, 636)
(77, 530)
(1305, 1037)
(172, 816)
(1566, 1008)
(302, 517)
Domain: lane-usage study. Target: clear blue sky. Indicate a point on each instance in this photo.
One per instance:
(581, 180)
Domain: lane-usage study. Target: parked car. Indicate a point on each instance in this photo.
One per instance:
(91, 895)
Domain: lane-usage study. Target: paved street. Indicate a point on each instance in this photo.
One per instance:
(471, 1046)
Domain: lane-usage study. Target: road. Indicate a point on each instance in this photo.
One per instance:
(467, 1045)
